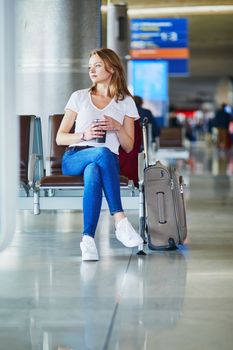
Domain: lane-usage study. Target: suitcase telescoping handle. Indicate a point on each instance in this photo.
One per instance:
(145, 141)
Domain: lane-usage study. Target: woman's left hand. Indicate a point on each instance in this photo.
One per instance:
(111, 124)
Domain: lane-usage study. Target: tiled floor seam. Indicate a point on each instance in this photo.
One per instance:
(111, 326)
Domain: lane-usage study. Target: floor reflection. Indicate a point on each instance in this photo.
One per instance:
(151, 300)
(51, 300)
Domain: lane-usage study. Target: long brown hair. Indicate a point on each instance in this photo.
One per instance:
(117, 87)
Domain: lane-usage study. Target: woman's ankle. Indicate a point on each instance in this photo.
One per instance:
(119, 216)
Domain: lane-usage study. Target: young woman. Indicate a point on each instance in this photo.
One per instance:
(108, 101)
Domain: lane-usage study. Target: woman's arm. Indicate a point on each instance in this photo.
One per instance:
(64, 137)
(124, 132)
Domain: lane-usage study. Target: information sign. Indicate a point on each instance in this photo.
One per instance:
(165, 38)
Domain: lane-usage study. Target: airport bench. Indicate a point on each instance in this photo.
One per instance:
(172, 144)
(56, 191)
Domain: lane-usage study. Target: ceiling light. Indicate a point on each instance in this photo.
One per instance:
(192, 10)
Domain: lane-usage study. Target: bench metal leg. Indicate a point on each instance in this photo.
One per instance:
(36, 203)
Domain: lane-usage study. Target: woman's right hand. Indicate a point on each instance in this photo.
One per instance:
(95, 130)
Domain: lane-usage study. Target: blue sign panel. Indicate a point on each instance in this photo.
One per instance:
(161, 39)
(159, 33)
(149, 79)
(178, 67)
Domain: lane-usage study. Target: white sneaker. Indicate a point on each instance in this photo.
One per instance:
(88, 248)
(127, 235)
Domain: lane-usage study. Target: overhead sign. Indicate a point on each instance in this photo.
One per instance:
(165, 38)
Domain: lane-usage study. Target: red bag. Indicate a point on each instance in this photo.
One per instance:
(129, 161)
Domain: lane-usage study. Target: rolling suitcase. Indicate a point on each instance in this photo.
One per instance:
(164, 205)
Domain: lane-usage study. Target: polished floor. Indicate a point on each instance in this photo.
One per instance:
(182, 300)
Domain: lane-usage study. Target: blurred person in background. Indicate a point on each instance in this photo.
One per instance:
(146, 113)
(173, 121)
(221, 122)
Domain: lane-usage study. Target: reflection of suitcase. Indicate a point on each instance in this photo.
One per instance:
(165, 216)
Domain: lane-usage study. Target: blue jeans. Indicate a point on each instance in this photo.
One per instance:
(100, 170)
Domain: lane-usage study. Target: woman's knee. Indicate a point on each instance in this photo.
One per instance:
(92, 173)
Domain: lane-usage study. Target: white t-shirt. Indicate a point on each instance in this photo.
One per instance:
(80, 102)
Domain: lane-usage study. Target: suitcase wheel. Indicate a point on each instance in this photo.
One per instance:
(170, 246)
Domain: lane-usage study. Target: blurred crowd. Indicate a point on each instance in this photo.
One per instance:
(204, 124)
